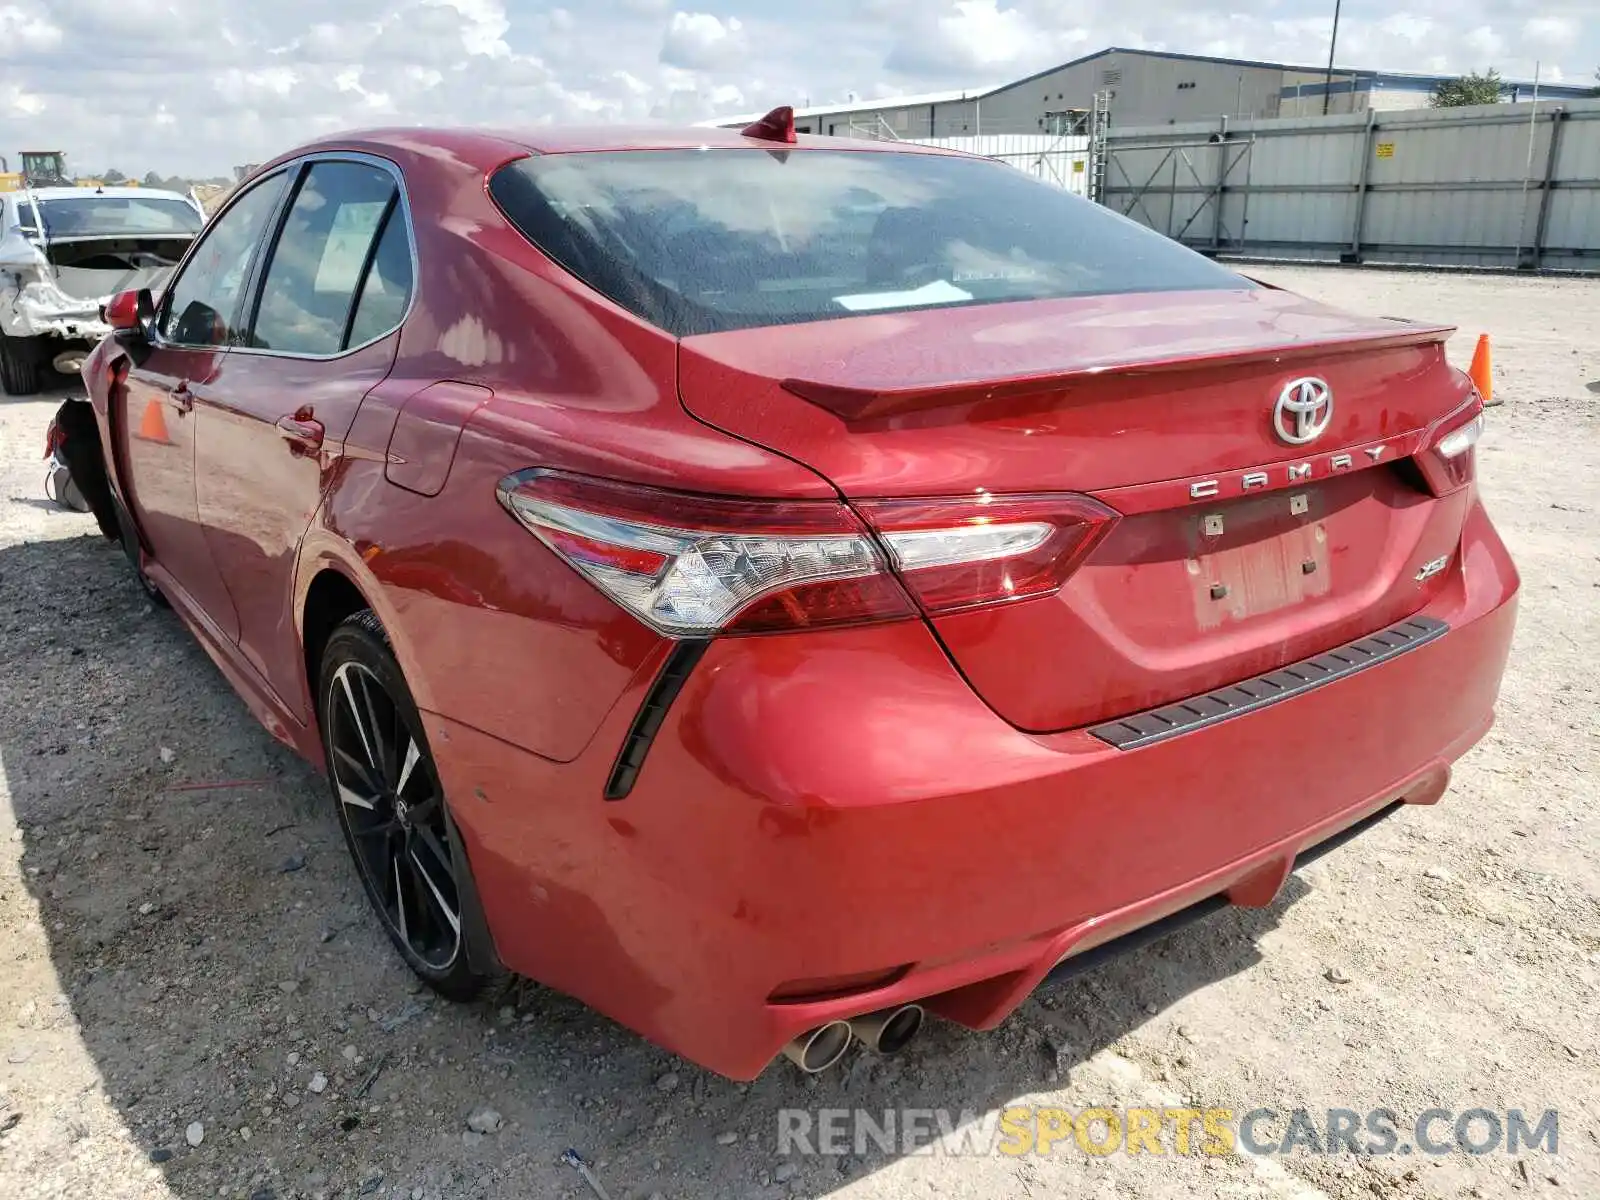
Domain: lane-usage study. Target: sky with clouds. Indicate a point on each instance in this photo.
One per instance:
(198, 86)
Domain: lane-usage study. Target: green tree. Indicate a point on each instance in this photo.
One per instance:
(1468, 89)
(114, 176)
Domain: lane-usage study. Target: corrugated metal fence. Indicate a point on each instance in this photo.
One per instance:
(1496, 185)
(1061, 160)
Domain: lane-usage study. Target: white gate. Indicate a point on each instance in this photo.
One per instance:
(1058, 159)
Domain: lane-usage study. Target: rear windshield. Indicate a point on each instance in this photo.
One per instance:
(700, 241)
(112, 216)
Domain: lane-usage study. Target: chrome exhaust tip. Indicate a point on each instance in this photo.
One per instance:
(890, 1030)
(820, 1048)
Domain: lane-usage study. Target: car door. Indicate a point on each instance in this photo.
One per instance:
(333, 289)
(178, 368)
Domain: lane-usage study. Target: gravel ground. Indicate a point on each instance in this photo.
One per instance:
(194, 1002)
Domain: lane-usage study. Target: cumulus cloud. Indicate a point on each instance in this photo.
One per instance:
(28, 31)
(203, 85)
(19, 103)
(980, 36)
(1407, 27)
(1485, 42)
(1556, 32)
(701, 42)
(483, 25)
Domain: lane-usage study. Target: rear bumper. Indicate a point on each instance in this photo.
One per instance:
(837, 805)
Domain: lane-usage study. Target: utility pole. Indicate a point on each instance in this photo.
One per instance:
(1333, 40)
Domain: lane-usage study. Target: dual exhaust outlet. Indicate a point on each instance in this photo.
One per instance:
(887, 1031)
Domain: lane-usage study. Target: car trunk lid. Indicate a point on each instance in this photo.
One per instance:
(1236, 551)
(96, 268)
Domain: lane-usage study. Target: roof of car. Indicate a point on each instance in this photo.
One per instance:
(68, 193)
(557, 139)
(489, 147)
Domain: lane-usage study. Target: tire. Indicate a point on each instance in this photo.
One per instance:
(392, 808)
(19, 365)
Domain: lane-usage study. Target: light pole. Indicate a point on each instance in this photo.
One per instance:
(1333, 40)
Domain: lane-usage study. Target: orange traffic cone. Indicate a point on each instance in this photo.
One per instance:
(1482, 371)
(153, 425)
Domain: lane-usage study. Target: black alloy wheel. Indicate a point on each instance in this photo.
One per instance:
(391, 806)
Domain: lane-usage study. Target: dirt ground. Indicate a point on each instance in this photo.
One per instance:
(184, 963)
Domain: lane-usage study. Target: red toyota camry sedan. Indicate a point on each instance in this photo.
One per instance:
(770, 589)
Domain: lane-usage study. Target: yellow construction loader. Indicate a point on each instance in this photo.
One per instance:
(40, 168)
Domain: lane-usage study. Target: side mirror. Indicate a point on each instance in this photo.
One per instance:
(132, 317)
(122, 310)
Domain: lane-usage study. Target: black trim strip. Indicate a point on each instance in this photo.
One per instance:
(674, 674)
(1158, 724)
(366, 269)
(1349, 833)
(1134, 939)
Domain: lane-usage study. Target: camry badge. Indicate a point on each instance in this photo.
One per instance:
(1304, 410)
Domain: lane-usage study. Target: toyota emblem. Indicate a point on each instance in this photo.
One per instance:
(1304, 410)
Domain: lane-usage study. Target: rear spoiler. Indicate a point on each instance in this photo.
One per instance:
(866, 403)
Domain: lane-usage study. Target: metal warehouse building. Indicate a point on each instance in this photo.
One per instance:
(1145, 87)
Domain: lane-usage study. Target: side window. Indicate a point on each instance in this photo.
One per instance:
(202, 305)
(387, 289)
(316, 267)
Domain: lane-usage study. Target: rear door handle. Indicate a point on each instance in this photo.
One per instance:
(302, 431)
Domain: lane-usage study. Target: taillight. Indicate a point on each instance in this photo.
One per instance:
(1448, 458)
(976, 551)
(693, 566)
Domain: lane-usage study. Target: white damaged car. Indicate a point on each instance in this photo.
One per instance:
(64, 252)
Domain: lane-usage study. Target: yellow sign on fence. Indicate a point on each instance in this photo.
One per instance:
(1385, 149)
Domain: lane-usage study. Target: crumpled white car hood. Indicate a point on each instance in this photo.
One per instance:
(36, 297)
